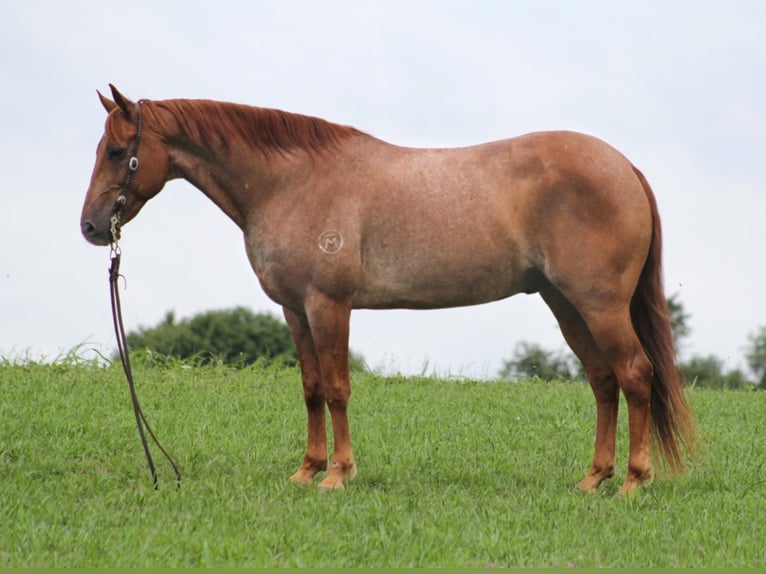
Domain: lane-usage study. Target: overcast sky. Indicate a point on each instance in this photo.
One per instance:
(679, 87)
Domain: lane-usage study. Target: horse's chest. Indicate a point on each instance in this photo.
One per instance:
(288, 268)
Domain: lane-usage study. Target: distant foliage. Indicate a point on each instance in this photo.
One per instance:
(707, 372)
(755, 355)
(234, 336)
(679, 321)
(531, 361)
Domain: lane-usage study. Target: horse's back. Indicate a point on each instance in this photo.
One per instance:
(470, 225)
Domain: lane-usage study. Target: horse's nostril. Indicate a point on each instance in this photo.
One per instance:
(88, 229)
(93, 233)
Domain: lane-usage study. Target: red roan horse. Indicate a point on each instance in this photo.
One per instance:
(335, 220)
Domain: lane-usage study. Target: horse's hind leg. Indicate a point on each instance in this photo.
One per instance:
(614, 333)
(315, 459)
(602, 380)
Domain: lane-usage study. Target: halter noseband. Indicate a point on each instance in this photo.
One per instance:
(122, 199)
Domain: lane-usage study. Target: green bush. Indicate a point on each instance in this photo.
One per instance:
(233, 336)
(708, 372)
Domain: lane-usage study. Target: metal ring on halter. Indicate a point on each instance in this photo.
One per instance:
(133, 164)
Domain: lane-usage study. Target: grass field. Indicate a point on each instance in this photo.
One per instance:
(451, 473)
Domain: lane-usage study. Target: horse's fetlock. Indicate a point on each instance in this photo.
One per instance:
(642, 474)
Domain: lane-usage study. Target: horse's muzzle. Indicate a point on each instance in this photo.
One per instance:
(93, 233)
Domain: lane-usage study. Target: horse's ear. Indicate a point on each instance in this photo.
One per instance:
(122, 102)
(108, 104)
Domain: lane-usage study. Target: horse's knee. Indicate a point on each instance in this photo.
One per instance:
(336, 390)
(313, 394)
(314, 400)
(338, 402)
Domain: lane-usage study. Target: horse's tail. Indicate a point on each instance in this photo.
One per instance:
(673, 428)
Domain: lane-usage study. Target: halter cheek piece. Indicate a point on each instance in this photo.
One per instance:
(122, 199)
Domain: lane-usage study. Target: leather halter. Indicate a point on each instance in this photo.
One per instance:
(122, 199)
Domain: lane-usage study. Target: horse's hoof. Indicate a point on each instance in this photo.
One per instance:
(635, 481)
(587, 485)
(302, 479)
(593, 480)
(331, 483)
(337, 478)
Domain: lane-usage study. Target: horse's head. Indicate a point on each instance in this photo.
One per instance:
(131, 168)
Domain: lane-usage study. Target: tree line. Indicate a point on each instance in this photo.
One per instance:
(239, 337)
(236, 337)
(530, 360)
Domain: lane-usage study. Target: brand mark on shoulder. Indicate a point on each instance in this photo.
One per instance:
(331, 242)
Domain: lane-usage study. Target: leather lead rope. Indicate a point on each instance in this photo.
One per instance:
(122, 344)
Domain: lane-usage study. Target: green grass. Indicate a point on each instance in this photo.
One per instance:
(451, 473)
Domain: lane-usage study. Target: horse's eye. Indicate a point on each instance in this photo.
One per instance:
(116, 153)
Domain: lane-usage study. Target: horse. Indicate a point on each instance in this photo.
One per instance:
(335, 219)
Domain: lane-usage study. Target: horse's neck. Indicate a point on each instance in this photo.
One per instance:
(251, 154)
(237, 180)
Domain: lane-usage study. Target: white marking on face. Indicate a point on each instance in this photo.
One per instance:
(331, 242)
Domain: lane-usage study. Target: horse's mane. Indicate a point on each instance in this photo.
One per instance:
(221, 124)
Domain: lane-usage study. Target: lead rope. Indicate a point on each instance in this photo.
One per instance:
(122, 345)
(119, 328)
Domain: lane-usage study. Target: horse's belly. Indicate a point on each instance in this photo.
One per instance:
(420, 285)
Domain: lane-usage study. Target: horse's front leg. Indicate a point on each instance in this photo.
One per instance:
(315, 459)
(329, 323)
